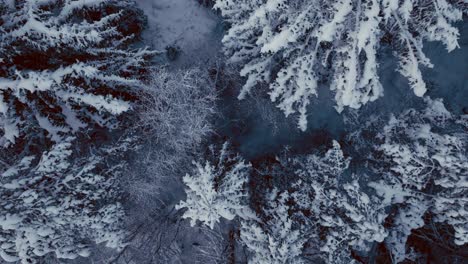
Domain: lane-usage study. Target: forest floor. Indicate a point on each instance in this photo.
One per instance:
(184, 25)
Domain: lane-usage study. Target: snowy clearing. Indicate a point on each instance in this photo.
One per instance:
(184, 24)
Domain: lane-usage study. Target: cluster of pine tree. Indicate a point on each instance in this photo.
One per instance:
(323, 207)
(96, 137)
(68, 77)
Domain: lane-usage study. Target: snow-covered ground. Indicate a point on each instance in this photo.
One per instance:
(184, 24)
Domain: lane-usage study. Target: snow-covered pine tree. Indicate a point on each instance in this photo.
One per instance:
(66, 66)
(354, 221)
(61, 203)
(347, 217)
(426, 152)
(217, 189)
(278, 239)
(291, 43)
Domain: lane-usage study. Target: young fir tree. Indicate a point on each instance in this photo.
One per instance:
(217, 190)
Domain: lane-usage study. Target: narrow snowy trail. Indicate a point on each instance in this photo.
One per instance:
(184, 24)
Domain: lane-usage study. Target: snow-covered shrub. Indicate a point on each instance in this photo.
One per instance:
(292, 43)
(174, 118)
(277, 240)
(177, 109)
(66, 66)
(426, 152)
(60, 204)
(217, 190)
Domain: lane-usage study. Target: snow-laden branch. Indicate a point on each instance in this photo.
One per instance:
(293, 44)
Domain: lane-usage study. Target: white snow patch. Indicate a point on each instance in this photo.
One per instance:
(182, 23)
(10, 131)
(9, 221)
(7, 257)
